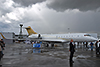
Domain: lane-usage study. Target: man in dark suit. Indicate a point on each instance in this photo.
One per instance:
(72, 50)
(97, 47)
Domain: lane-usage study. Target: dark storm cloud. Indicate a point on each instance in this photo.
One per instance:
(28, 2)
(82, 5)
(77, 22)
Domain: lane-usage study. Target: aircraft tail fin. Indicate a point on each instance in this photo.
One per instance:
(2, 36)
(30, 31)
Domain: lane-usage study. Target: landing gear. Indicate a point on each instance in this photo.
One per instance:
(52, 45)
(63, 45)
(47, 45)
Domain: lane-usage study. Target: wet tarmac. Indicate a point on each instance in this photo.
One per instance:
(23, 55)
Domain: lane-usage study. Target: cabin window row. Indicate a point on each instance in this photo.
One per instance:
(69, 36)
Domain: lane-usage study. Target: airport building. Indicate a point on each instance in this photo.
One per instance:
(10, 37)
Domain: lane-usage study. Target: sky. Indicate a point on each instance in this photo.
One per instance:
(50, 16)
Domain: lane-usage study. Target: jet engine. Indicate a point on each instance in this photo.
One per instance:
(35, 36)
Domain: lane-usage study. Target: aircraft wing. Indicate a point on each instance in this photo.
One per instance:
(52, 40)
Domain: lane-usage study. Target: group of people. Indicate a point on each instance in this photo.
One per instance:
(2, 45)
(72, 48)
(97, 46)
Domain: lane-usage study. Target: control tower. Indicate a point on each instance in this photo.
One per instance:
(20, 36)
(21, 29)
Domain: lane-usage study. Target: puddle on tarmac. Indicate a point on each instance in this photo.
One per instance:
(36, 50)
(81, 57)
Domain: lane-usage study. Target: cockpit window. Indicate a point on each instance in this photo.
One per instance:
(87, 35)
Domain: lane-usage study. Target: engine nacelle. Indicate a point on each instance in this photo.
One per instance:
(35, 36)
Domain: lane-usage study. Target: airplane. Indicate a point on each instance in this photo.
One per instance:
(60, 38)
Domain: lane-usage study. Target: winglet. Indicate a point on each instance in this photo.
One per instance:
(30, 31)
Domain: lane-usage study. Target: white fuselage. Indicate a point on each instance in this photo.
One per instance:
(78, 37)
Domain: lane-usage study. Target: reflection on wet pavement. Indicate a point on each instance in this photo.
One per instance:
(0, 65)
(36, 50)
(71, 64)
(21, 55)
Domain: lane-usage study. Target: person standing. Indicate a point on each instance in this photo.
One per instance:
(72, 50)
(2, 44)
(97, 47)
(0, 52)
(86, 45)
(91, 44)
